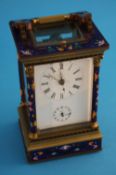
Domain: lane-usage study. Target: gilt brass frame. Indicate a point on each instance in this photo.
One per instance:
(34, 133)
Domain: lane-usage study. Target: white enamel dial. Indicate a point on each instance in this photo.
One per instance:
(61, 80)
(62, 86)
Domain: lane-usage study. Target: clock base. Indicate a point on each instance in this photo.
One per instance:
(47, 149)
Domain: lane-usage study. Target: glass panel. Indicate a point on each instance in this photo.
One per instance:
(54, 34)
(42, 38)
(66, 35)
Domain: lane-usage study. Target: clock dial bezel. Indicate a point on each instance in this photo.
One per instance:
(69, 128)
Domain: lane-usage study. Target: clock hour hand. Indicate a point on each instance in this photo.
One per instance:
(51, 76)
(54, 77)
(65, 114)
(60, 81)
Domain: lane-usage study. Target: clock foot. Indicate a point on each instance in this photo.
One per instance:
(94, 125)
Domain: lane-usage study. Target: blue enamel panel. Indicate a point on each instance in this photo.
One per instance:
(63, 150)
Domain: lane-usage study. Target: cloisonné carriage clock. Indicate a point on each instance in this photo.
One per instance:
(59, 60)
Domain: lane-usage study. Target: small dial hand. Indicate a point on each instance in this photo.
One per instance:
(65, 114)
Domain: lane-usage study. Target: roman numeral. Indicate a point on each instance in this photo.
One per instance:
(61, 65)
(53, 95)
(70, 92)
(61, 96)
(70, 67)
(53, 70)
(46, 83)
(76, 86)
(78, 79)
(47, 90)
(46, 76)
(76, 71)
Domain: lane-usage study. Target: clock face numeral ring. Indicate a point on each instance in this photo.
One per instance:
(62, 113)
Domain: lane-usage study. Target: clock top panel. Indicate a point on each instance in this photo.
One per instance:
(54, 35)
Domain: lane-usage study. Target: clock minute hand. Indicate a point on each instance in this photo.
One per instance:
(61, 75)
(61, 80)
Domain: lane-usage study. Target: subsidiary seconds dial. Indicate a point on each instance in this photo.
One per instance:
(62, 113)
(61, 80)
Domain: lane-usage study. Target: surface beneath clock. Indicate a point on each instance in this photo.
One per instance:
(60, 147)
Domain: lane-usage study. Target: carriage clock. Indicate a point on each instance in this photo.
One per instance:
(59, 60)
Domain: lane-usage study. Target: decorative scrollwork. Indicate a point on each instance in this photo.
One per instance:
(33, 136)
(97, 61)
(29, 71)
